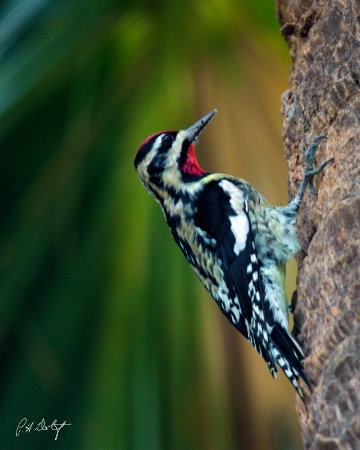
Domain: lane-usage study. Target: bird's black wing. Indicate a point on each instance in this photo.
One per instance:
(222, 215)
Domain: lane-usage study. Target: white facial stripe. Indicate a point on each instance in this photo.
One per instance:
(142, 169)
(175, 150)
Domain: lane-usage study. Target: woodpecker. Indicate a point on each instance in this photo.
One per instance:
(235, 241)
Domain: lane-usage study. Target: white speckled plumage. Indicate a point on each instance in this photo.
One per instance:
(234, 240)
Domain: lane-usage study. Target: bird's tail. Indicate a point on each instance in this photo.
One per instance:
(289, 356)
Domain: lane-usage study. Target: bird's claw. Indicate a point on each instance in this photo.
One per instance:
(310, 155)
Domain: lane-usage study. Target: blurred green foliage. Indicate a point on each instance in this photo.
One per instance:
(100, 325)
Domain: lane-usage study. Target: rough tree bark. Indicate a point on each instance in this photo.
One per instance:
(324, 42)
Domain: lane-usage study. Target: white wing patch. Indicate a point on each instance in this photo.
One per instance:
(239, 222)
(240, 229)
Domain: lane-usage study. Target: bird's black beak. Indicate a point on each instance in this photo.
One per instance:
(193, 132)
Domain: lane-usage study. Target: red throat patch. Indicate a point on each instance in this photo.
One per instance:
(191, 166)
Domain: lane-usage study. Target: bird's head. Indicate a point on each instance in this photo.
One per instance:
(168, 158)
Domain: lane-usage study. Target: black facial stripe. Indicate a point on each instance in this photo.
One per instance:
(157, 165)
(166, 143)
(184, 151)
(145, 149)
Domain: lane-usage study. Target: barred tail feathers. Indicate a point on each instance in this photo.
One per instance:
(289, 357)
(266, 352)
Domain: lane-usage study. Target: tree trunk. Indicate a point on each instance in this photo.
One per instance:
(324, 42)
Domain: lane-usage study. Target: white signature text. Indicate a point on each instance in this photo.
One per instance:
(26, 427)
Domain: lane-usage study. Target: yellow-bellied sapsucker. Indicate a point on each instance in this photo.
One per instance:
(234, 240)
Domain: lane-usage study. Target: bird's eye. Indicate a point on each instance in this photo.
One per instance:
(167, 139)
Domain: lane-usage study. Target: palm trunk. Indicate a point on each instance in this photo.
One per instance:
(324, 99)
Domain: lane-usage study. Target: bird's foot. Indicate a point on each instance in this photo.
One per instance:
(310, 155)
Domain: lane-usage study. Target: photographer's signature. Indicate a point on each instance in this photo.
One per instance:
(26, 427)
